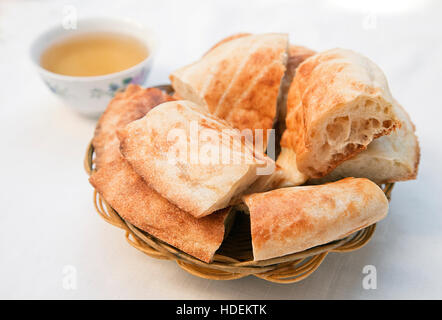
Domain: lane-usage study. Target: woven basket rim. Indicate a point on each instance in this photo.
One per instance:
(285, 269)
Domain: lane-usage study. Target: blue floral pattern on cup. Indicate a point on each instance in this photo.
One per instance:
(113, 88)
(63, 92)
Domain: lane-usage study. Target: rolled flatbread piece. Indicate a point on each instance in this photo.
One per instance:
(290, 220)
(125, 107)
(195, 160)
(137, 203)
(338, 102)
(238, 80)
(391, 158)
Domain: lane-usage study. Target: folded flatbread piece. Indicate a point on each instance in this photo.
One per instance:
(338, 102)
(238, 80)
(197, 161)
(391, 158)
(290, 220)
(137, 203)
(125, 107)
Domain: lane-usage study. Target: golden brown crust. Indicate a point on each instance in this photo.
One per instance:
(417, 149)
(289, 220)
(125, 107)
(297, 55)
(135, 202)
(238, 80)
(327, 86)
(227, 39)
(293, 137)
(188, 178)
(391, 158)
(416, 164)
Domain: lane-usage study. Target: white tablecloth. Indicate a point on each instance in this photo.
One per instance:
(48, 222)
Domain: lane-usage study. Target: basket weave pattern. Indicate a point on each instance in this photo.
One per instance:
(234, 259)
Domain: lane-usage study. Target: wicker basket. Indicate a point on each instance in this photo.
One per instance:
(234, 258)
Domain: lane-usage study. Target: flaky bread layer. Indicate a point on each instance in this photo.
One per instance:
(338, 102)
(391, 158)
(345, 133)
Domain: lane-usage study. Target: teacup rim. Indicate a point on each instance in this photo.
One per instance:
(150, 40)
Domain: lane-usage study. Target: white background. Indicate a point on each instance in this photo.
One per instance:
(47, 218)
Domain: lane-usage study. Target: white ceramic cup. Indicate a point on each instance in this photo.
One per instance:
(91, 95)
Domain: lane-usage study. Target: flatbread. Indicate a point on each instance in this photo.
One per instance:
(229, 38)
(238, 80)
(125, 107)
(297, 55)
(135, 202)
(187, 169)
(338, 102)
(286, 159)
(391, 158)
(290, 220)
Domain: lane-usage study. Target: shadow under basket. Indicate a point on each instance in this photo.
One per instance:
(234, 259)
